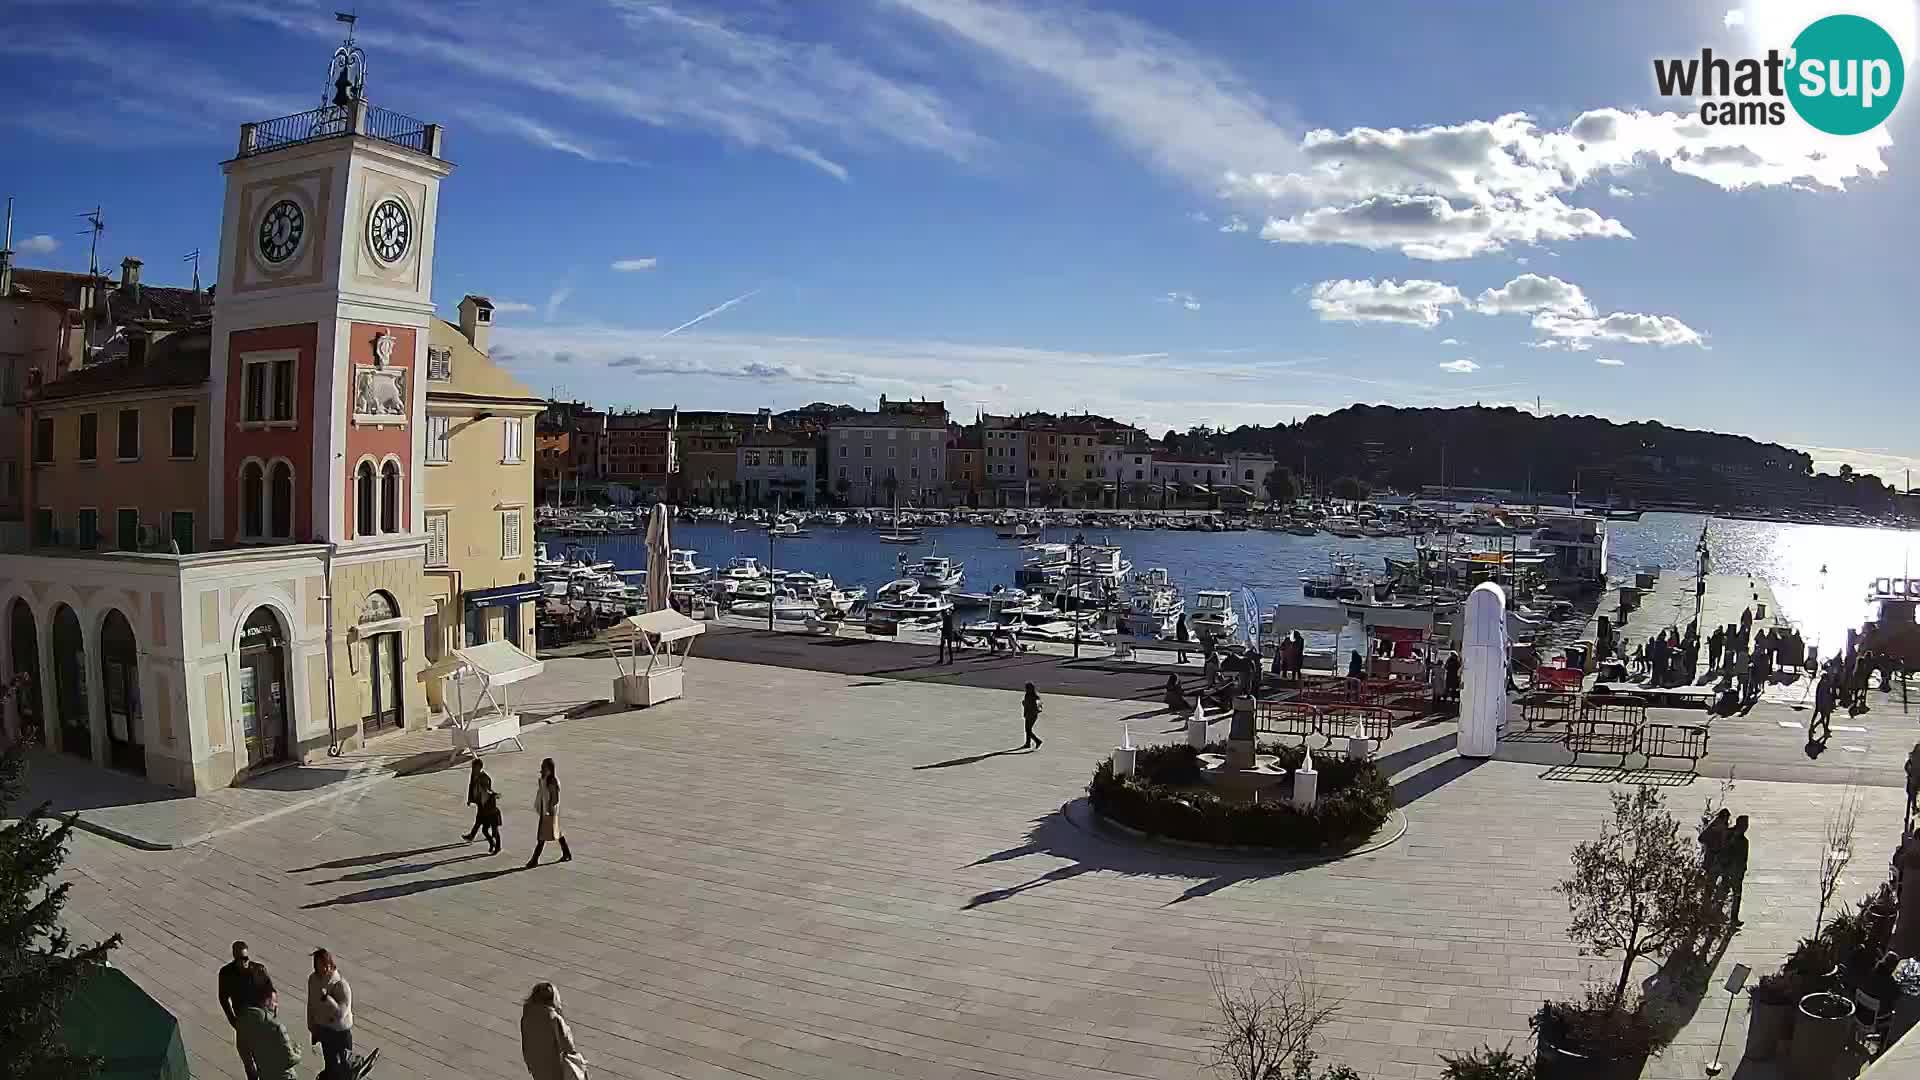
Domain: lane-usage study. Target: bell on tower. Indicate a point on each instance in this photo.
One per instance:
(348, 72)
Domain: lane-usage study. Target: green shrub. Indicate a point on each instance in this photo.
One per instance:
(1166, 796)
(1486, 1063)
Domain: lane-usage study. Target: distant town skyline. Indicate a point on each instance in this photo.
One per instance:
(1232, 214)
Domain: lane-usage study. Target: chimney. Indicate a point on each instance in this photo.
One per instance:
(765, 420)
(476, 321)
(130, 276)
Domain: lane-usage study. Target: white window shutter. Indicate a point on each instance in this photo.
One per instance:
(437, 539)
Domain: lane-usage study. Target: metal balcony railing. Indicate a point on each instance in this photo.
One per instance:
(333, 121)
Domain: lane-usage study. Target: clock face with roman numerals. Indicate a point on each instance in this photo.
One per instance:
(280, 231)
(389, 230)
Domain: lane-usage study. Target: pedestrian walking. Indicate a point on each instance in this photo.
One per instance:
(1824, 699)
(546, 1040)
(489, 816)
(479, 784)
(1734, 868)
(330, 1014)
(546, 803)
(1453, 678)
(1299, 655)
(1180, 635)
(262, 1038)
(946, 637)
(1031, 708)
(1714, 642)
(237, 982)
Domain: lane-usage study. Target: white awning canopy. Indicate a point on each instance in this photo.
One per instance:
(501, 662)
(665, 625)
(1331, 618)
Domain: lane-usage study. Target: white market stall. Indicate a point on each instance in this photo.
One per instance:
(1309, 618)
(485, 671)
(663, 677)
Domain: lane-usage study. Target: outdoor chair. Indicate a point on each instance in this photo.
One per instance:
(1877, 1026)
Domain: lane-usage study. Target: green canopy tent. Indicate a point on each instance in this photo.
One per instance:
(132, 1034)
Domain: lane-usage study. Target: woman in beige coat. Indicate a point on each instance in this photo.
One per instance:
(546, 1042)
(546, 803)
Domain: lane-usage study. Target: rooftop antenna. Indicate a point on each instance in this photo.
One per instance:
(96, 224)
(194, 258)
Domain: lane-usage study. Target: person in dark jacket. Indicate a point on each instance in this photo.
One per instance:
(1356, 667)
(1715, 641)
(490, 820)
(947, 636)
(1733, 873)
(238, 982)
(1180, 635)
(1176, 696)
(1030, 706)
(1453, 678)
(479, 784)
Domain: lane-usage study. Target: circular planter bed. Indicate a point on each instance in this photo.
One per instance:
(1167, 797)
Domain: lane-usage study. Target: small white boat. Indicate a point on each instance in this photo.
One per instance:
(1213, 610)
(899, 536)
(743, 568)
(935, 573)
(786, 528)
(912, 605)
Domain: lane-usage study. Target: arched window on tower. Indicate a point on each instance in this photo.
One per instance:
(280, 501)
(390, 497)
(363, 500)
(253, 496)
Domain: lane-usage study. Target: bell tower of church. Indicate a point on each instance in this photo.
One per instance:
(320, 329)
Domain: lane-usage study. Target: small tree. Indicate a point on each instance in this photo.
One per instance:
(1640, 889)
(1267, 1021)
(1835, 853)
(40, 968)
(1349, 489)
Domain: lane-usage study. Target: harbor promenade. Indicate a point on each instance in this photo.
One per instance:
(797, 873)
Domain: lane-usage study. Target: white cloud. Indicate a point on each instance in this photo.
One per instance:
(1235, 224)
(39, 244)
(1619, 192)
(1734, 18)
(627, 266)
(655, 66)
(509, 307)
(1183, 299)
(1608, 361)
(1529, 293)
(488, 118)
(1461, 366)
(1887, 465)
(556, 298)
(1414, 302)
(1449, 341)
(1199, 217)
(1621, 326)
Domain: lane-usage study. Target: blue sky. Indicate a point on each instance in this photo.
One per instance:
(1228, 213)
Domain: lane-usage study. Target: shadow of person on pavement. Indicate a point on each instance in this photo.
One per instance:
(401, 870)
(972, 758)
(368, 860)
(392, 892)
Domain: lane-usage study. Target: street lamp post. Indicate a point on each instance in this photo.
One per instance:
(1073, 591)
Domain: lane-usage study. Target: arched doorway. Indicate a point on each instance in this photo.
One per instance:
(265, 698)
(70, 684)
(120, 685)
(26, 661)
(380, 615)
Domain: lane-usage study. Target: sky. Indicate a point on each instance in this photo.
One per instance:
(1226, 213)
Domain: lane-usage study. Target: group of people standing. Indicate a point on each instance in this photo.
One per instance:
(1671, 658)
(546, 807)
(251, 1003)
(1723, 851)
(1844, 681)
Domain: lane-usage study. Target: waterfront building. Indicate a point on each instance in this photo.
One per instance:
(898, 452)
(776, 468)
(231, 566)
(966, 465)
(572, 450)
(1127, 471)
(1004, 445)
(708, 445)
(641, 456)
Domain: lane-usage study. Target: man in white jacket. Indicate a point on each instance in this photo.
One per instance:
(330, 1014)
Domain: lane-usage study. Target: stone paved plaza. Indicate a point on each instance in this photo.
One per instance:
(806, 874)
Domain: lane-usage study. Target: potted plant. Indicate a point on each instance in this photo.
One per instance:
(1639, 890)
(1771, 1003)
(1821, 1031)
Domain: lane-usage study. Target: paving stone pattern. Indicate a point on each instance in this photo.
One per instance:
(804, 874)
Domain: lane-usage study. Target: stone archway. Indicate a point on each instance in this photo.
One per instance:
(120, 694)
(266, 694)
(26, 662)
(70, 684)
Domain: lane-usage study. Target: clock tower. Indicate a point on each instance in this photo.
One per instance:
(320, 329)
(317, 370)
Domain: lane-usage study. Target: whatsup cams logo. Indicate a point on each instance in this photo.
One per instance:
(1843, 75)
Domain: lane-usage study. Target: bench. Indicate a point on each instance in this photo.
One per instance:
(1675, 741)
(1586, 735)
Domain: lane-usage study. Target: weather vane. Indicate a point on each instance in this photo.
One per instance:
(347, 74)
